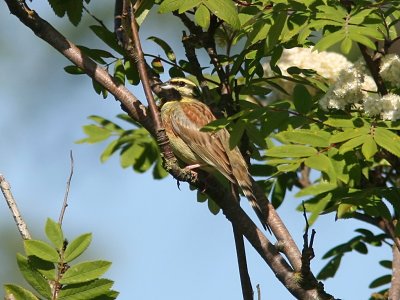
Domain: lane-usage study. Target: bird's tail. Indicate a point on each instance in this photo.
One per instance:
(256, 197)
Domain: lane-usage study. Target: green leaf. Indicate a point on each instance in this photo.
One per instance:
(109, 150)
(369, 148)
(225, 10)
(316, 189)
(236, 134)
(85, 271)
(330, 268)
(107, 37)
(188, 4)
(315, 138)
(143, 10)
(33, 277)
(362, 39)
(46, 268)
(345, 45)
(54, 233)
(213, 207)
(73, 8)
(385, 279)
(348, 134)
(329, 40)
(322, 163)
(170, 5)
(272, 38)
(202, 17)
(41, 250)
(18, 293)
(158, 170)
(318, 208)
(291, 151)
(131, 154)
(353, 143)
(77, 247)
(95, 133)
(86, 290)
(74, 70)
(167, 49)
(119, 72)
(387, 140)
(302, 99)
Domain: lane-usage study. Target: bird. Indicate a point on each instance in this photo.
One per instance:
(183, 115)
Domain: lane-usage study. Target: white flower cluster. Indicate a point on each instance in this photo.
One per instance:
(326, 64)
(355, 87)
(390, 69)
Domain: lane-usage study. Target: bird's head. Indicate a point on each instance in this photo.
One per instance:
(177, 88)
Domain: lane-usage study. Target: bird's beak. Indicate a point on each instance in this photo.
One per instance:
(166, 86)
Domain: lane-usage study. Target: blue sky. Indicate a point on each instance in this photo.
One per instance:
(163, 244)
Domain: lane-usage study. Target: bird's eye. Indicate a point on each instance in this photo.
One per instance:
(181, 83)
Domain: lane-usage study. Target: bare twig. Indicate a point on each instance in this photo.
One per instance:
(65, 202)
(19, 221)
(258, 292)
(394, 290)
(307, 254)
(245, 281)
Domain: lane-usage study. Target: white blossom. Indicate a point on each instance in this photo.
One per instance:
(390, 69)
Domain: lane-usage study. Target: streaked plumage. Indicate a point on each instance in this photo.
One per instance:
(183, 117)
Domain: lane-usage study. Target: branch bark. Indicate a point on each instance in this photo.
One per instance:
(394, 290)
(19, 221)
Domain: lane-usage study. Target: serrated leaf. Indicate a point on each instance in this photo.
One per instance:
(345, 210)
(369, 148)
(348, 134)
(225, 10)
(202, 17)
(387, 140)
(329, 40)
(77, 247)
(316, 189)
(164, 45)
(353, 143)
(315, 138)
(46, 268)
(85, 271)
(322, 163)
(86, 290)
(385, 279)
(18, 293)
(33, 277)
(291, 151)
(41, 250)
(54, 233)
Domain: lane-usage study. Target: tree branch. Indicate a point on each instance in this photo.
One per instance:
(8, 196)
(65, 202)
(394, 290)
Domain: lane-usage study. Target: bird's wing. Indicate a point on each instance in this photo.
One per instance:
(187, 120)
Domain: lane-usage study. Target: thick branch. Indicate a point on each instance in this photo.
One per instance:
(394, 291)
(48, 33)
